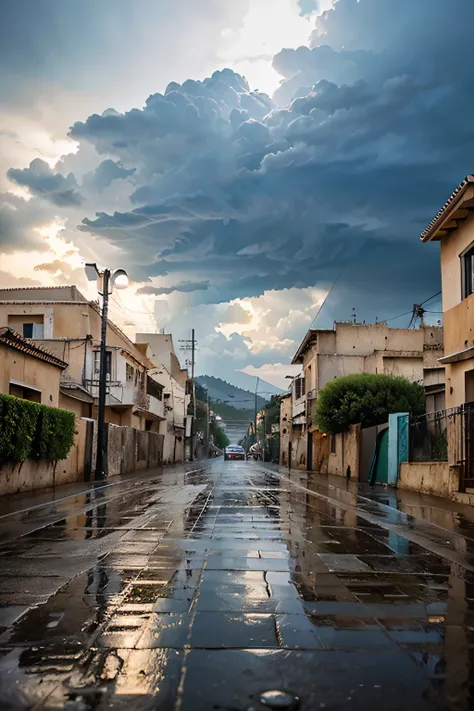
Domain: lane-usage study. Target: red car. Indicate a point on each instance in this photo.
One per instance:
(234, 452)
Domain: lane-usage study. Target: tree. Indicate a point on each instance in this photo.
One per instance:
(220, 438)
(367, 399)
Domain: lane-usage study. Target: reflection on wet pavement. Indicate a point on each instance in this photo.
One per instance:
(206, 588)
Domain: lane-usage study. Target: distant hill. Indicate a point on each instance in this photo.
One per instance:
(220, 390)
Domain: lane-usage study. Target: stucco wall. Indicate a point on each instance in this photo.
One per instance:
(32, 475)
(30, 371)
(347, 453)
(285, 429)
(456, 382)
(451, 247)
(429, 478)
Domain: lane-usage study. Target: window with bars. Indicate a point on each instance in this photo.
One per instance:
(129, 372)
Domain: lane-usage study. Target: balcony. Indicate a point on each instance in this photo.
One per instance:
(299, 411)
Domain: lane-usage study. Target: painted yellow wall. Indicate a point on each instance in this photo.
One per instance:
(458, 313)
(29, 371)
(452, 246)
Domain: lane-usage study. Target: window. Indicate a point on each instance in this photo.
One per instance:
(108, 360)
(33, 330)
(333, 444)
(299, 388)
(467, 265)
(129, 372)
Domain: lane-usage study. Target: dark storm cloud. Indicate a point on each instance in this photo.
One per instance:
(185, 287)
(43, 182)
(366, 137)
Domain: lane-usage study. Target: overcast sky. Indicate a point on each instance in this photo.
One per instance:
(242, 159)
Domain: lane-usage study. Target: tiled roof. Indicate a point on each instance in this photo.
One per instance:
(430, 228)
(13, 339)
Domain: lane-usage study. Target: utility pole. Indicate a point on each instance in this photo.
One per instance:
(256, 408)
(190, 345)
(101, 463)
(107, 279)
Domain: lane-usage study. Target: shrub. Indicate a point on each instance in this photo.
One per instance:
(30, 430)
(54, 434)
(18, 424)
(367, 399)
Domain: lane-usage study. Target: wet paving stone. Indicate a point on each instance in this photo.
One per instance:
(206, 590)
(321, 679)
(220, 630)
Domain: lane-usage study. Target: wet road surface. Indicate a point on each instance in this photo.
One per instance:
(209, 588)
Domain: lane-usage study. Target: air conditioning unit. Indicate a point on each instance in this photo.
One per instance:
(313, 394)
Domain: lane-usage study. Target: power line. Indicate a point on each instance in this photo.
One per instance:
(410, 313)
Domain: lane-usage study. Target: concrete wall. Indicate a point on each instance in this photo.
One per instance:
(299, 446)
(128, 451)
(29, 371)
(33, 475)
(436, 478)
(347, 453)
(285, 429)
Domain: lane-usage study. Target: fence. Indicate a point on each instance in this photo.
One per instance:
(428, 440)
(445, 436)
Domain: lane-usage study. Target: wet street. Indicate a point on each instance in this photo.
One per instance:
(235, 586)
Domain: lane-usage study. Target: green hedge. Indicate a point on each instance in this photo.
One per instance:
(366, 398)
(32, 431)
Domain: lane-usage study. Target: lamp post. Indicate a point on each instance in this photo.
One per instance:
(106, 279)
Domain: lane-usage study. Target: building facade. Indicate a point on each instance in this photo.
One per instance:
(174, 380)
(453, 228)
(351, 349)
(28, 371)
(61, 320)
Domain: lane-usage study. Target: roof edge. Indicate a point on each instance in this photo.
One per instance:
(430, 230)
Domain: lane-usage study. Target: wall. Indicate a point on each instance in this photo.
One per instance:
(452, 246)
(30, 371)
(429, 478)
(128, 451)
(79, 408)
(299, 444)
(456, 382)
(32, 475)
(363, 339)
(285, 429)
(347, 453)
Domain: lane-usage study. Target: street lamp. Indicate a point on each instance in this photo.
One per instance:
(107, 279)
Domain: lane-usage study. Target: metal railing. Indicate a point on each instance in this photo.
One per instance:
(445, 436)
(428, 437)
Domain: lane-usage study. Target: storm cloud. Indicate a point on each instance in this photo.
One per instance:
(185, 287)
(330, 181)
(42, 181)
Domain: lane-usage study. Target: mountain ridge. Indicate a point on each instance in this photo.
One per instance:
(239, 398)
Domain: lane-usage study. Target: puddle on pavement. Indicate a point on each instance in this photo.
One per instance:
(262, 584)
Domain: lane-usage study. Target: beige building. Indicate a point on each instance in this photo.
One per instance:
(174, 381)
(66, 324)
(453, 227)
(351, 349)
(28, 371)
